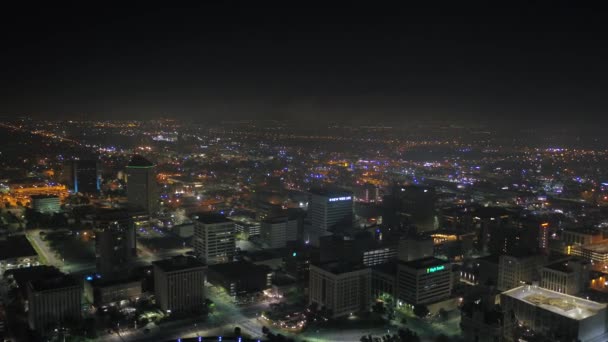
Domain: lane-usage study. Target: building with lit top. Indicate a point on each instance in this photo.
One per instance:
(328, 210)
(424, 281)
(555, 315)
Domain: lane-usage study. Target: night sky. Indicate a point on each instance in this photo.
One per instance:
(531, 63)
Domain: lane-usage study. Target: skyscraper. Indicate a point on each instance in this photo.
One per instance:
(115, 242)
(82, 176)
(411, 204)
(141, 184)
(329, 210)
(214, 238)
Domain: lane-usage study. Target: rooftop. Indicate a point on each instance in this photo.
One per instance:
(16, 246)
(559, 303)
(601, 247)
(239, 269)
(338, 267)
(211, 218)
(24, 275)
(138, 161)
(178, 263)
(425, 263)
(43, 196)
(331, 192)
(52, 283)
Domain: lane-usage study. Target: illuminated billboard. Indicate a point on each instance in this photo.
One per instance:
(336, 199)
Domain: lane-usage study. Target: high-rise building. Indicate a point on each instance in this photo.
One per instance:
(341, 288)
(82, 176)
(141, 184)
(424, 281)
(415, 247)
(329, 210)
(275, 232)
(115, 241)
(179, 284)
(53, 302)
(411, 204)
(214, 238)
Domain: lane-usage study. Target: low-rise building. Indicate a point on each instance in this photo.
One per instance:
(554, 315)
(277, 231)
(567, 276)
(101, 291)
(46, 204)
(15, 252)
(240, 278)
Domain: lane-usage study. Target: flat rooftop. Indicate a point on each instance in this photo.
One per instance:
(56, 282)
(601, 247)
(338, 267)
(43, 196)
(425, 263)
(239, 269)
(331, 192)
(559, 303)
(16, 246)
(211, 218)
(178, 263)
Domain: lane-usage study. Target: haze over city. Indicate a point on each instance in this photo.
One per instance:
(281, 172)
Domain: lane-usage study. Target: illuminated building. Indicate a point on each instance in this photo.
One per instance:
(46, 204)
(566, 276)
(179, 284)
(214, 238)
(555, 315)
(424, 281)
(329, 210)
(53, 302)
(141, 184)
(341, 288)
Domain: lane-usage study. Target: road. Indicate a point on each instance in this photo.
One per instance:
(33, 236)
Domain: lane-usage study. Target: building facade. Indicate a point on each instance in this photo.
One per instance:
(214, 239)
(275, 232)
(179, 284)
(340, 288)
(141, 184)
(566, 276)
(424, 281)
(46, 204)
(53, 303)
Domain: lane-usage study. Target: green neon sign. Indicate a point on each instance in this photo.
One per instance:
(435, 269)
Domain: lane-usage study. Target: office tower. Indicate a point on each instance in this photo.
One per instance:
(53, 302)
(214, 238)
(556, 316)
(415, 247)
(141, 184)
(115, 242)
(275, 232)
(341, 288)
(330, 211)
(424, 281)
(82, 176)
(569, 276)
(517, 270)
(411, 204)
(240, 278)
(179, 284)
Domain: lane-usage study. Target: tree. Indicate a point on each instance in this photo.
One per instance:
(443, 314)
(265, 330)
(421, 311)
(237, 331)
(406, 335)
(442, 338)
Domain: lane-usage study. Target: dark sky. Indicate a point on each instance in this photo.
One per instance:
(548, 60)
